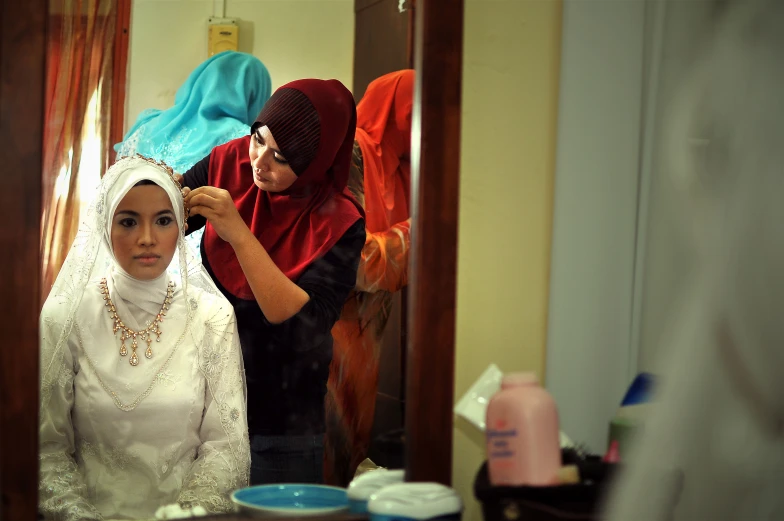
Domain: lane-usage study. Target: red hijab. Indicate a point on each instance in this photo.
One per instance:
(384, 136)
(313, 122)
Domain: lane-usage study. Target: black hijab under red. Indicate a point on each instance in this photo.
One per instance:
(313, 122)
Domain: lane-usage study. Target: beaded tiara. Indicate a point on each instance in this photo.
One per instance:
(160, 164)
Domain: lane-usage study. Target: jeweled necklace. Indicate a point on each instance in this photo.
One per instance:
(127, 333)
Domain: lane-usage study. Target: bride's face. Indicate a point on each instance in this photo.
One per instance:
(144, 232)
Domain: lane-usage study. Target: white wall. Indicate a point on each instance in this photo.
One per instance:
(664, 260)
(617, 261)
(294, 38)
(595, 213)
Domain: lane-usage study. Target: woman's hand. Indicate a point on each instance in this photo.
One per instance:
(218, 208)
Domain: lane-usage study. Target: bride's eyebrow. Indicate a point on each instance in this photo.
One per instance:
(132, 213)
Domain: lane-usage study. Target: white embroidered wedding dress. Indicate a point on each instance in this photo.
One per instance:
(119, 441)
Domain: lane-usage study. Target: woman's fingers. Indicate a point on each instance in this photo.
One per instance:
(204, 211)
(208, 190)
(202, 199)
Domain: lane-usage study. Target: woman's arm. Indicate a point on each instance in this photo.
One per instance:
(278, 297)
(328, 282)
(223, 462)
(62, 493)
(384, 265)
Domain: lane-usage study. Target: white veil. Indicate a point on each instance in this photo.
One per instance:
(719, 416)
(88, 261)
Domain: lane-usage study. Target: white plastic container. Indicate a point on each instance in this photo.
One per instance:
(364, 486)
(415, 502)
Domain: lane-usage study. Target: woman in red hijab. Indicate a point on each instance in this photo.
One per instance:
(380, 180)
(282, 242)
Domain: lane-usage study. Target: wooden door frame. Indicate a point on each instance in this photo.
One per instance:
(119, 72)
(22, 84)
(431, 295)
(435, 183)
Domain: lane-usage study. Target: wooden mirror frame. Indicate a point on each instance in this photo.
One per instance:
(22, 85)
(435, 184)
(431, 296)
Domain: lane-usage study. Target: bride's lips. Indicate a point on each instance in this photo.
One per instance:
(147, 259)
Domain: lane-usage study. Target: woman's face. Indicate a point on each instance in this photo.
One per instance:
(271, 171)
(144, 232)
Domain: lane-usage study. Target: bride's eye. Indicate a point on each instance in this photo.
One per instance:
(127, 222)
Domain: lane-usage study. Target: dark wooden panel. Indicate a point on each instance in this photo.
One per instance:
(389, 358)
(380, 42)
(359, 5)
(119, 73)
(433, 268)
(403, 344)
(388, 417)
(22, 66)
(411, 6)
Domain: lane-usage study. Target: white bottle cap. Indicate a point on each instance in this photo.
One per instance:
(519, 380)
(415, 501)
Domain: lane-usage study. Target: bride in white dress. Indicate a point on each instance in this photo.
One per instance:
(142, 385)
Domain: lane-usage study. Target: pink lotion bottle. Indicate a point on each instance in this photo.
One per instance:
(523, 444)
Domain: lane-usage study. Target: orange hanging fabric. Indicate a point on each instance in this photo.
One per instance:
(80, 43)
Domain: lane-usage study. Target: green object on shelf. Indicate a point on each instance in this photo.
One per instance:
(622, 430)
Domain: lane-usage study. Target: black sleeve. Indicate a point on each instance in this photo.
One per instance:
(197, 176)
(328, 282)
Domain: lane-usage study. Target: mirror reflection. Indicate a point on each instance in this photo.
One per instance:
(280, 333)
(226, 234)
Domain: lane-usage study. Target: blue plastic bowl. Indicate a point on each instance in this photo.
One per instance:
(291, 499)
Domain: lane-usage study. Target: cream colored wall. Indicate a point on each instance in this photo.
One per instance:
(294, 38)
(510, 94)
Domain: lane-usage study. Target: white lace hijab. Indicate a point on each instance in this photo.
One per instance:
(91, 259)
(719, 416)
